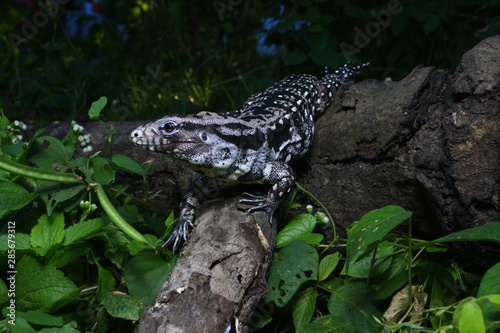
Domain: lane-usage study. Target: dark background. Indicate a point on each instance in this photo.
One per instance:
(151, 58)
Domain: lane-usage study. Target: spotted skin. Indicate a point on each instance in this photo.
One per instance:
(254, 144)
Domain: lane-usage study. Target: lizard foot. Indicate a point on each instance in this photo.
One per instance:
(259, 202)
(180, 232)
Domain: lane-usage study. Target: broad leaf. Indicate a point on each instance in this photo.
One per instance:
(490, 285)
(301, 226)
(120, 305)
(329, 324)
(471, 318)
(371, 228)
(303, 307)
(38, 286)
(369, 266)
(488, 232)
(353, 302)
(126, 163)
(83, 230)
(292, 265)
(97, 106)
(327, 265)
(13, 197)
(145, 274)
(49, 230)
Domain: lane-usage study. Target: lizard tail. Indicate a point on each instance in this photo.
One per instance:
(330, 83)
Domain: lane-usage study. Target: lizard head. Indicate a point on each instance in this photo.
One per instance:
(192, 138)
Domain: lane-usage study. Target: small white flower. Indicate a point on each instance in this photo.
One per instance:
(309, 208)
(24, 127)
(93, 207)
(321, 217)
(80, 138)
(14, 140)
(16, 123)
(19, 137)
(87, 149)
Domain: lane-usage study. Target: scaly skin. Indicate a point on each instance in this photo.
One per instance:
(252, 145)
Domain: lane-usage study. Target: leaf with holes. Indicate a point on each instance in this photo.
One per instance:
(292, 265)
(371, 228)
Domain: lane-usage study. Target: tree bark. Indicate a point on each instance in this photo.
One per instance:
(220, 276)
(429, 143)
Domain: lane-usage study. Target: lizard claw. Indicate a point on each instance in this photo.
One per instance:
(180, 232)
(259, 203)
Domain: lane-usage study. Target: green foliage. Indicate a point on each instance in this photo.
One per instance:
(72, 248)
(385, 283)
(153, 58)
(64, 245)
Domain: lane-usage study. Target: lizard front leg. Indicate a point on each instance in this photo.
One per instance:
(282, 177)
(201, 189)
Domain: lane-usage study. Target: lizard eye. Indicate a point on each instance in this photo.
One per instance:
(204, 136)
(169, 127)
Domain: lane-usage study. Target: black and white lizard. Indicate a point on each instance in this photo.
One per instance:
(252, 145)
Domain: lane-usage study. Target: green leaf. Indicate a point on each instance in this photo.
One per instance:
(22, 241)
(83, 230)
(4, 297)
(495, 300)
(123, 306)
(365, 267)
(41, 318)
(49, 230)
(68, 191)
(291, 266)
(488, 232)
(13, 197)
(327, 265)
(302, 225)
(97, 106)
(371, 228)
(107, 281)
(71, 327)
(328, 324)
(471, 318)
(47, 150)
(122, 162)
(145, 274)
(353, 302)
(64, 255)
(490, 285)
(103, 174)
(38, 286)
(303, 307)
(312, 239)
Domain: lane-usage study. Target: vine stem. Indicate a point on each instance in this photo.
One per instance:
(36, 173)
(117, 219)
(301, 188)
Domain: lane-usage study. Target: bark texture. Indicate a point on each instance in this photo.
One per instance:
(220, 276)
(429, 143)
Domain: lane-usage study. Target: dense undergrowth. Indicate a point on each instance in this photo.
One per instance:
(79, 254)
(84, 252)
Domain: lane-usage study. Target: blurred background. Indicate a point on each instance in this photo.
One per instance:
(152, 58)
